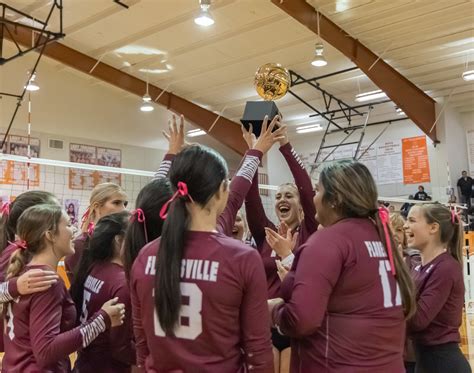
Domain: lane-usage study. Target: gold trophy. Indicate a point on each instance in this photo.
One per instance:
(272, 82)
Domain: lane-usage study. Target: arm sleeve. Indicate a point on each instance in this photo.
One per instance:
(165, 166)
(48, 343)
(239, 188)
(432, 298)
(254, 317)
(304, 185)
(256, 217)
(316, 274)
(122, 343)
(8, 290)
(140, 337)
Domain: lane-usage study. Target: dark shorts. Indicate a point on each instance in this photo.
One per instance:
(443, 358)
(280, 342)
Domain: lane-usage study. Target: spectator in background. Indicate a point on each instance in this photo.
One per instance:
(406, 207)
(465, 189)
(421, 195)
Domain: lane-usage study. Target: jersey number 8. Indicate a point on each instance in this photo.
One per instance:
(190, 318)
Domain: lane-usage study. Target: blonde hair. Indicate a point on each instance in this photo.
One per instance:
(450, 232)
(351, 189)
(32, 227)
(397, 222)
(99, 196)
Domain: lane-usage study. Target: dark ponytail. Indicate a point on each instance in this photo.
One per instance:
(150, 200)
(101, 249)
(25, 200)
(203, 171)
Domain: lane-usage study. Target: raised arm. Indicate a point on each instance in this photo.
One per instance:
(175, 137)
(316, 274)
(304, 185)
(254, 317)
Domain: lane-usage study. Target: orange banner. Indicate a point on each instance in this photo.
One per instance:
(416, 166)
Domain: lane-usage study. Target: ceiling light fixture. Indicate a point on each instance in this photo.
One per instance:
(195, 133)
(204, 17)
(368, 96)
(32, 86)
(468, 75)
(146, 105)
(309, 128)
(399, 111)
(319, 59)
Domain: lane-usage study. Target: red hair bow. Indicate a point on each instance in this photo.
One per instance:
(5, 210)
(384, 218)
(182, 191)
(139, 215)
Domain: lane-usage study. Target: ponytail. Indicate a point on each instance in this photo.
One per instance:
(402, 275)
(18, 261)
(168, 268)
(455, 244)
(7, 232)
(203, 171)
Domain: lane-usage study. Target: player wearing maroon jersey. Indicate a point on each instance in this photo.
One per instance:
(100, 276)
(39, 332)
(38, 279)
(437, 233)
(345, 296)
(148, 225)
(106, 198)
(293, 206)
(220, 327)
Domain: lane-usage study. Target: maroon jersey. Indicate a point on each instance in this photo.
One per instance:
(114, 350)
(5, 259)
(72, 261)
(224, 316)
(257, 219)
(40, 334)
(440, 300)
(342, 304)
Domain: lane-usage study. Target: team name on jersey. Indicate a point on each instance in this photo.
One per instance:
(375, 249)
(93, 284)
(191, 269)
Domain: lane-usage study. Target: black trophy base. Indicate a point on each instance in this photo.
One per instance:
(255, 112)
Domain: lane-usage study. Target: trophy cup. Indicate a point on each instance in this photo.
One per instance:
(271, 83)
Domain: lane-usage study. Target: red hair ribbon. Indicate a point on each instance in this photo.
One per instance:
(86, 215)
(181, 192)
(384, 218)
(454, 216)
(139, 215)
(5, 210)
(21, 244)
(90, 229)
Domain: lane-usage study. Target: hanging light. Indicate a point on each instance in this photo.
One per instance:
(204, 17)
(32, 85)
(468, 75)
(146, 105)
(195, 133)
(309, 128)
(368, 96)
(319, 59)
(399, 111)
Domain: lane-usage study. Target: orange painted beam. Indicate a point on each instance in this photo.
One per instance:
(225, 130)
(417, 105)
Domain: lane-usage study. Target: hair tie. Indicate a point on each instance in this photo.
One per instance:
(20, 244)
(384, 218)
(86, 215)
(90, 228)
(139, 215)
(5, 210)
(182, 191)
(454, 216)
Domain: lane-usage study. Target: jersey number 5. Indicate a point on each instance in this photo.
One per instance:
(85, 301)
(384, 268)
(190, 318)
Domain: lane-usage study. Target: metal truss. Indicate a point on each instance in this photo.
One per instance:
(41, 37)
(336, 110)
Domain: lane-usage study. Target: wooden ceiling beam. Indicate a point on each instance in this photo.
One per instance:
(225, 130)
(417, 105)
